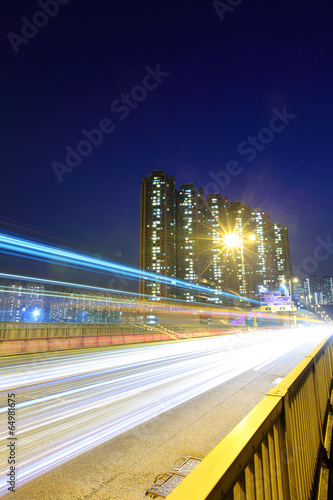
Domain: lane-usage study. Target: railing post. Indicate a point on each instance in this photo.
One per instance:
(281, 462)
(289, 458)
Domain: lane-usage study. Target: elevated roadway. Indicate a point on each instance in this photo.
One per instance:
(103, 423)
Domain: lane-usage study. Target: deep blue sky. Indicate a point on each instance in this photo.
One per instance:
(224, 80)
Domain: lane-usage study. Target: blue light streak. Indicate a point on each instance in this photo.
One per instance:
(18, 246)
(69, 404)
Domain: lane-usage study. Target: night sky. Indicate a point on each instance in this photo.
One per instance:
(221, 80)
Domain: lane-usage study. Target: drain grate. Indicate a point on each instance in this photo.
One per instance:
(166, 483)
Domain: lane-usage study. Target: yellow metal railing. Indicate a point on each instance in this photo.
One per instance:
(275, 452)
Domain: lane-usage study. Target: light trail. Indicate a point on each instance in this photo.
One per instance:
(70, 403)
(65, 283)
(116, 301)
(37, 251)
(101, 305)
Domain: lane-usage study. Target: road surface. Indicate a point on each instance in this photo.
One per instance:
(96, 416)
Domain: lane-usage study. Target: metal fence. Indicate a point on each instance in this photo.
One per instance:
(276, 451)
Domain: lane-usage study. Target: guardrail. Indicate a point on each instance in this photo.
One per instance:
(276, 451)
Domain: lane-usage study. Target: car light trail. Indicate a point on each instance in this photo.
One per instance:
(54, 306)
(70, 403)
(32, 250)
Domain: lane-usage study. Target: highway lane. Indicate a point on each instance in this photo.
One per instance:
(68, 403)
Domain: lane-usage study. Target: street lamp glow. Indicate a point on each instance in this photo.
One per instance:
(231, 240)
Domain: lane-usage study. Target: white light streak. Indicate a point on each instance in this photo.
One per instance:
(70, 403)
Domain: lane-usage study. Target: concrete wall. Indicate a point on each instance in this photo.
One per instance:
(26, 338)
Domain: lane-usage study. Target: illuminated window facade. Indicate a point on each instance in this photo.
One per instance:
(158, 232)
(21, 301)
(265, 271)
(187, 227)
(319, 290)
(282, 253)
(183, 236)
(214, 266)
(238, 261)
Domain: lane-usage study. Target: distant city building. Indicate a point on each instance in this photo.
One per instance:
(327, 289)
(282, 252)
(318, 290)
(21, 301)
(225, 246)
(298, 292)
(29, 302)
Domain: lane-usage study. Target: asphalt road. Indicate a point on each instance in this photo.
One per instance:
(103, 423)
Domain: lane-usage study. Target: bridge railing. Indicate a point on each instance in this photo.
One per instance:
(275, 452)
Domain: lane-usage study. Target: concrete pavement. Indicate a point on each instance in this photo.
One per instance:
(126, 466)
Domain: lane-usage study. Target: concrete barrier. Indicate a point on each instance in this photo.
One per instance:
(39, 344)
(21, 338)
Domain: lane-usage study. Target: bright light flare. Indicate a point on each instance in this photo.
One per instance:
(37, 251)
(231, 240)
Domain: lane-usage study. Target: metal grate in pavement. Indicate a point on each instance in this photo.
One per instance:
(166, 483)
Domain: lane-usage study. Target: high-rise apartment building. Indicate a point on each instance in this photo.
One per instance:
(265, 272)
(227, 247)
(282, 252)
(158, 232)
(186, 233)
(213, 272)
(190, 236)
(328, 289)
(319, 290)
(238, 260)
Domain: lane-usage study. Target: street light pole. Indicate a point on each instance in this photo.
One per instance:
(243, 270)
(306, 300)
(295, 280)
